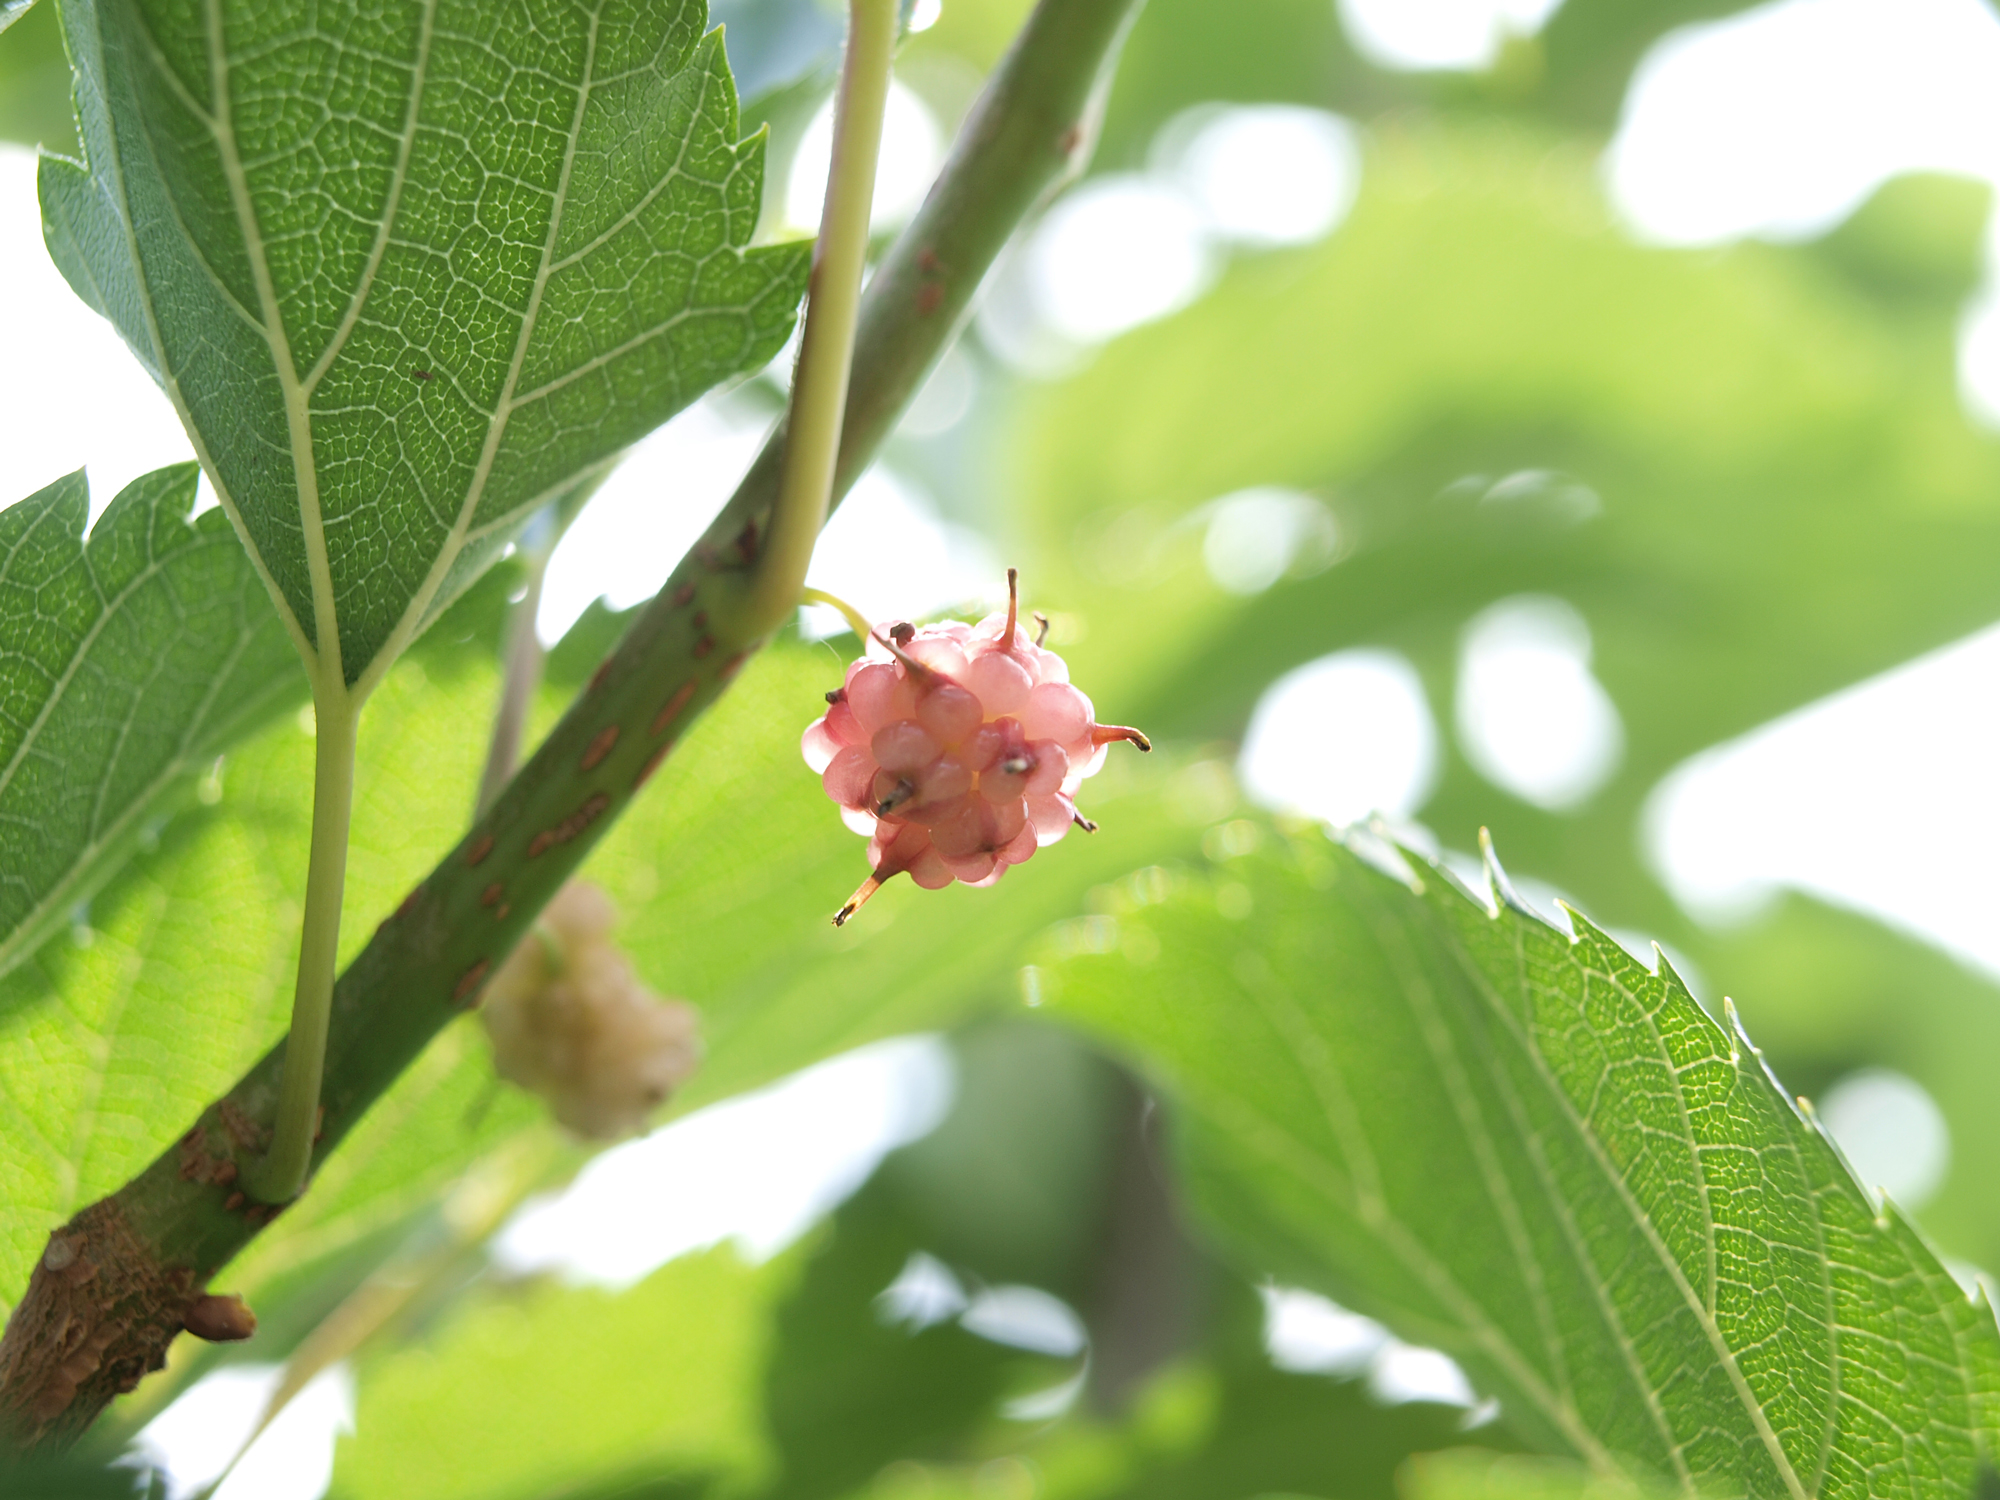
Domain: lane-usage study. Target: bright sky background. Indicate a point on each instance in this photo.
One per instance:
(1775, 123)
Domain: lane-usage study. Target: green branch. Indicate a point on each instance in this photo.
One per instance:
(130, 1262)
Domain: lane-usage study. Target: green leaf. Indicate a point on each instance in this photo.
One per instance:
(1549, 1161)
(410, 272)
(1269, 1431)
(530, 1390)
(1468, 1474)
(12, 11)
(127, 663)
(849, 1392)
(76, 1476)
(34, 79)
(110, 1049)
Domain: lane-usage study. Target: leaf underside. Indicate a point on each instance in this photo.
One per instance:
(1549, 1160)
(127, 662)
(409, 271)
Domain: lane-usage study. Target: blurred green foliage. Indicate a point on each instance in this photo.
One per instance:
(34, 83)
(1748, 468)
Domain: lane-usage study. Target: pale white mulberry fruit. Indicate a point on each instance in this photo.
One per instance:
(571, 1020)
(958, 750)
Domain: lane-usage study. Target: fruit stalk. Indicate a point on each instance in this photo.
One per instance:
(164, 1233)
(826, 346)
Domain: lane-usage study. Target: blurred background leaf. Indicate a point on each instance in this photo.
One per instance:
(34, 82)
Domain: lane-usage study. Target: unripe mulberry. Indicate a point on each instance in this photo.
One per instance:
(958, 750)
(570, 1020)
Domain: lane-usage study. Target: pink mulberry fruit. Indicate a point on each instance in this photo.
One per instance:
(958, 750)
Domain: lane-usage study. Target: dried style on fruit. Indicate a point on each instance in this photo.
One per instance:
(570, 1020)
(958, 750)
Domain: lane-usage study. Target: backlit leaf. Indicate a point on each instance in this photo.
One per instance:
(1549, 1161)
(408, 272)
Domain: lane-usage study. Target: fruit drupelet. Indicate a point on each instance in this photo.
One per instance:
(958, 750)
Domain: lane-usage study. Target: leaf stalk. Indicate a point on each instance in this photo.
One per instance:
(281, 1174)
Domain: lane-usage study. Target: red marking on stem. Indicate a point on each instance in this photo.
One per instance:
(746, 541)
(409, 903)
(671, 709)
(700, 620)
(928, 262)
(481, 847)
(500, 912)
(731, 667)
(468, 982)
(1069, 140)
(652, 764)
(930, 297)
(492, 893)
(703, 646)
(259, 1215)
(597, 677)
(244, 1131)
(592, 809)
(223, 1175)
(233, 1202)
(600, 746)
(682, 596)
